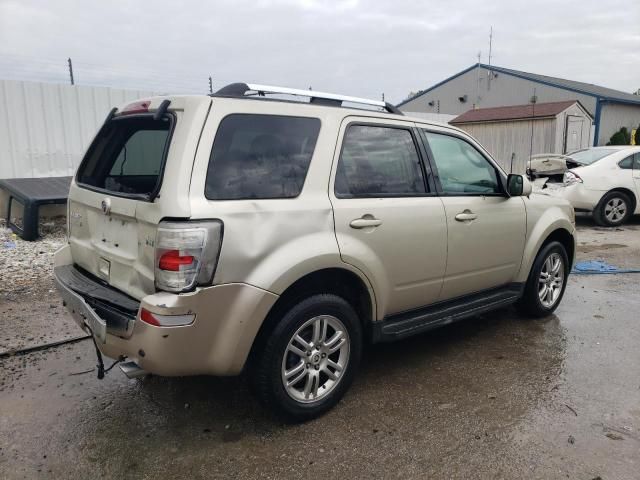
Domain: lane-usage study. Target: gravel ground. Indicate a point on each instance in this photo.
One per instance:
(26, 287)
(25, 267)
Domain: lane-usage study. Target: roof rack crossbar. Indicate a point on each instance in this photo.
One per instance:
(240, 89)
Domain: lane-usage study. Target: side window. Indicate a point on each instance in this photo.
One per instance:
(377, 162)
(260, 157)
(627, 163)
(461, 168)
(636, 161)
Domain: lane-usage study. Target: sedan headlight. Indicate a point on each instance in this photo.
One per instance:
(571, 178)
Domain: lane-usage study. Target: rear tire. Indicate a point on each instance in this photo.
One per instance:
(309, 359)
(546, 283)
(613, 210)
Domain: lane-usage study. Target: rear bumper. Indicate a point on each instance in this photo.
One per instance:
(218, 342)
(95, 307)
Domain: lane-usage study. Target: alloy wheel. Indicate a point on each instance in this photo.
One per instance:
(551, 280)
(315, 359)
(615, 210)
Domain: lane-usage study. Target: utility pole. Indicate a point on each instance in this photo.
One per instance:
(490, 42)
(70, 70)
(210, 85)
(383, 96)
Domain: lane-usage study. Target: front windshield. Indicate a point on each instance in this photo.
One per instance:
(591, 155)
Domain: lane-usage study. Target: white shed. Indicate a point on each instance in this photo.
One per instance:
(512, 134)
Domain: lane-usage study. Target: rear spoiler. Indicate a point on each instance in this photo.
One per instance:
(162, 109)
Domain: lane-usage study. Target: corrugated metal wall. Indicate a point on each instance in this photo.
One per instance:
(614, 116)
(504, 139)
(45, 128)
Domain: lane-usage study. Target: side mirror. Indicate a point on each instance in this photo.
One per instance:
(518, 186)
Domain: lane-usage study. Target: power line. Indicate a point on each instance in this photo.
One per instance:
(20, 67)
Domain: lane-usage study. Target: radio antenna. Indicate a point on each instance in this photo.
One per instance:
(490, 48)
(490, 43)
(534, 100)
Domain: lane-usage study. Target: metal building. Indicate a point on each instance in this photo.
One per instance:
(483, 86)
(512, 134)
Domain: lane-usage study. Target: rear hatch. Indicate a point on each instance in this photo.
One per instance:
(135, 173)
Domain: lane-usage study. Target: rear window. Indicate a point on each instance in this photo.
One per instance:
(591, 155)
(127, 156)
(260, 157)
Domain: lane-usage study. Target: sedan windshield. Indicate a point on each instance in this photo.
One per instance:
(591, 155)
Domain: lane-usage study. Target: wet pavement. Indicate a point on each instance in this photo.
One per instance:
(492, 397)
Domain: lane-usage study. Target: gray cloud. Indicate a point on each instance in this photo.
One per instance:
(354, 47)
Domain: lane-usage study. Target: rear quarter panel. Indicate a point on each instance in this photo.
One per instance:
(606, 175)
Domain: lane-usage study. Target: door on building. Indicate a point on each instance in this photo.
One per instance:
(573, 133)
(486, 228)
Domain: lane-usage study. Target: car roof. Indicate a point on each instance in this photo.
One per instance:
(343, 111)
(612, 147)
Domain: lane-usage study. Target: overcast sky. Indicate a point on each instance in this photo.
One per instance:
(353, 47)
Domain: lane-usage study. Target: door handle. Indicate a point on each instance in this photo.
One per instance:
(365, 222)
(466, 216)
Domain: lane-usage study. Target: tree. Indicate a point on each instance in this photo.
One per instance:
(621, 137)
(637, 139)
(413, 94)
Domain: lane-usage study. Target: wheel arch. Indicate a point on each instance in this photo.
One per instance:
(627, 192)
(561, 230)
(339, 281)
(567, 240)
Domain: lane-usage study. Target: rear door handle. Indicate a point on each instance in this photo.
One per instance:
(466, 216)
(365, 222)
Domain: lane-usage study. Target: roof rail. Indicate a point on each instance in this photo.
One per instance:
(240, 90)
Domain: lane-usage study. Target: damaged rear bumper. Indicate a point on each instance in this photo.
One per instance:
(218, 342)
(95, 307)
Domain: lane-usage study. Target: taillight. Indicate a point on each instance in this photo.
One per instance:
(173, 260)
(186, 254)
(571, 178)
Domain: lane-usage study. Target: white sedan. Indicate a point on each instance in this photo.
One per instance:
(606, 183)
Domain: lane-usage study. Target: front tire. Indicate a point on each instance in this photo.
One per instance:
(309, 359)
(547, 281)
(613, 209)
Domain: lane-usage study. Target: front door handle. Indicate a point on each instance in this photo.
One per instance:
(466, 216)
(365, 222)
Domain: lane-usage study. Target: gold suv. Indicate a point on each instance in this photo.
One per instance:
(243, 231)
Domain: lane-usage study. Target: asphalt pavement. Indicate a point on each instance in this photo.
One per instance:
(495, 396)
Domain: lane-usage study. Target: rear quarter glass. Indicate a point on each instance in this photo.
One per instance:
(257, 156)
(127, 156)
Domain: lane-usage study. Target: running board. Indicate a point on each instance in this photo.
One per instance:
(406, 324)
(132, 370)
